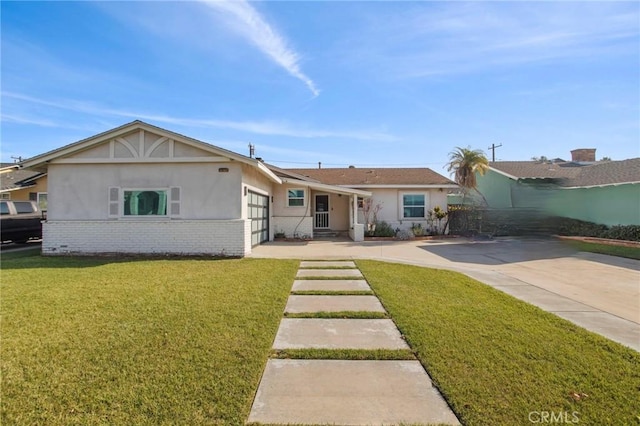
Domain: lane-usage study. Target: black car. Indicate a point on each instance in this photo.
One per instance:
(20, 221)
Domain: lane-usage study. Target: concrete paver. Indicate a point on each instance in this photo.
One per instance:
(330, 285)
(348, 393)
(300, 304)
(321, 273)
(299, 333)
(327, 264)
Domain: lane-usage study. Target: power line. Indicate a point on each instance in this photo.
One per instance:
(493, 151)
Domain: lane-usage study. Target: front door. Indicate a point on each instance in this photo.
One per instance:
(322, 212)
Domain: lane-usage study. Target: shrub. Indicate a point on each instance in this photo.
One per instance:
(580, 228)
(624, 232)
(417, 229)
(383, 229)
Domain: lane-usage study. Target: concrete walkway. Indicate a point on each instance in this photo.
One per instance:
(343, 392)
(598, 292)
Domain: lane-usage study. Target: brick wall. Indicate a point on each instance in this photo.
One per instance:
(213, 237)
(293, 226)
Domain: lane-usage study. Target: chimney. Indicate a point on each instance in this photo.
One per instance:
(583, 155)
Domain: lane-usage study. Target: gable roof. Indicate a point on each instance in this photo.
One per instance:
(13, 178)
(377, 177)
(41, 161)
(571, 174)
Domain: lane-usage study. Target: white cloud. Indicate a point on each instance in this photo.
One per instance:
(432, 38)
(252, 26)
(274, 128)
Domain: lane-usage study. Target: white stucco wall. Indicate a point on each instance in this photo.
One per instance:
(81, 191)
(391, 200)
(211, 237)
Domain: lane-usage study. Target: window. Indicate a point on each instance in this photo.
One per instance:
(23, 207)
(145, 203)
(42, 201)
(296, 197)
(4, 208)
(360, 202)
(413, 206)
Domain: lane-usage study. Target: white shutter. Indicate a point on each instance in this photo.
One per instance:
(174, 201)
(114, 201)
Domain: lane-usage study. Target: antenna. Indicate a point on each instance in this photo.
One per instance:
(16, 159)
(493, 151)
(252, 150)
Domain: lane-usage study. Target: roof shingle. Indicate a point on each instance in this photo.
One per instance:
(374, 176)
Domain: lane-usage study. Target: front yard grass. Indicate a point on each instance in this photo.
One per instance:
(98, 341)
(611, 250)
(498, 360)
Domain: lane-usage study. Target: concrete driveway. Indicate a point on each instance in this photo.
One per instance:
(598, 292)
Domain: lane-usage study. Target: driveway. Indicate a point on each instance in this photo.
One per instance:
(598, 292)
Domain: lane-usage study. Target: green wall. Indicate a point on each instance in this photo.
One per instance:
(609, 205)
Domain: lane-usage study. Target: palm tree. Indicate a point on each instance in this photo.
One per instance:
(465, 162)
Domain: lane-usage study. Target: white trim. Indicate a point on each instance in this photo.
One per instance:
(18, 188)
(401, 205)
(404, 186)
(140, 160)
(504, 173)
(304, 198)
(600, 186)
(329, 188)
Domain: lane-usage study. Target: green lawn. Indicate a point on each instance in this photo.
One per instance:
(88, 341)
(620, 251)
(497, 359)
(103, 341)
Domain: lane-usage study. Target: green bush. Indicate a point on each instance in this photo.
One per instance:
(624, 232)
(383, 229)
(580, 228)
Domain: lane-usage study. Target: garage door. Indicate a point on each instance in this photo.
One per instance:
(259, 215)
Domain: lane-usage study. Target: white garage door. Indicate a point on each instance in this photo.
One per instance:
(259, 215)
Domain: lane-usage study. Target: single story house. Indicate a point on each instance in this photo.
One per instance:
(139, 188)
(23, 185)
(404, 195)
(604, 192)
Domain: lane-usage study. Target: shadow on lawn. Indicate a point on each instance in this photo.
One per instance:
(32, 259)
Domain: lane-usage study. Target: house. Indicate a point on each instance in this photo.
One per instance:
(23, 185)
(604, 192)
(139, 188)
(404, 195)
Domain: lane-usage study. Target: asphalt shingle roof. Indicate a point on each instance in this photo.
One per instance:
(571, 174)
(374, 176)
(14, 179)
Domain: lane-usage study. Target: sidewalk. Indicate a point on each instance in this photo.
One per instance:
(345, 392)
(598, 292)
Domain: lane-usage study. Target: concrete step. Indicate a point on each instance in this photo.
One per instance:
(313, 333)
(348, 393)
(300, 304)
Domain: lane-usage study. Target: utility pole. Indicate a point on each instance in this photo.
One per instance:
(493, 151)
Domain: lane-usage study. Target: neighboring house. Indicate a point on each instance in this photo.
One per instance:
(23, 185)
(142, 189)
(605, 192)
(405, 195)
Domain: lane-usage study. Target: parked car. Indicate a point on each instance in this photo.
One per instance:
(20, 221)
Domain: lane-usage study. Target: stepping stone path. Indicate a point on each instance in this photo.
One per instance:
(343, 392)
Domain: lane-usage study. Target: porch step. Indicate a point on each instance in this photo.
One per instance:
(319, 234)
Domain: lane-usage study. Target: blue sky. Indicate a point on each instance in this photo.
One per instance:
(362, 83)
